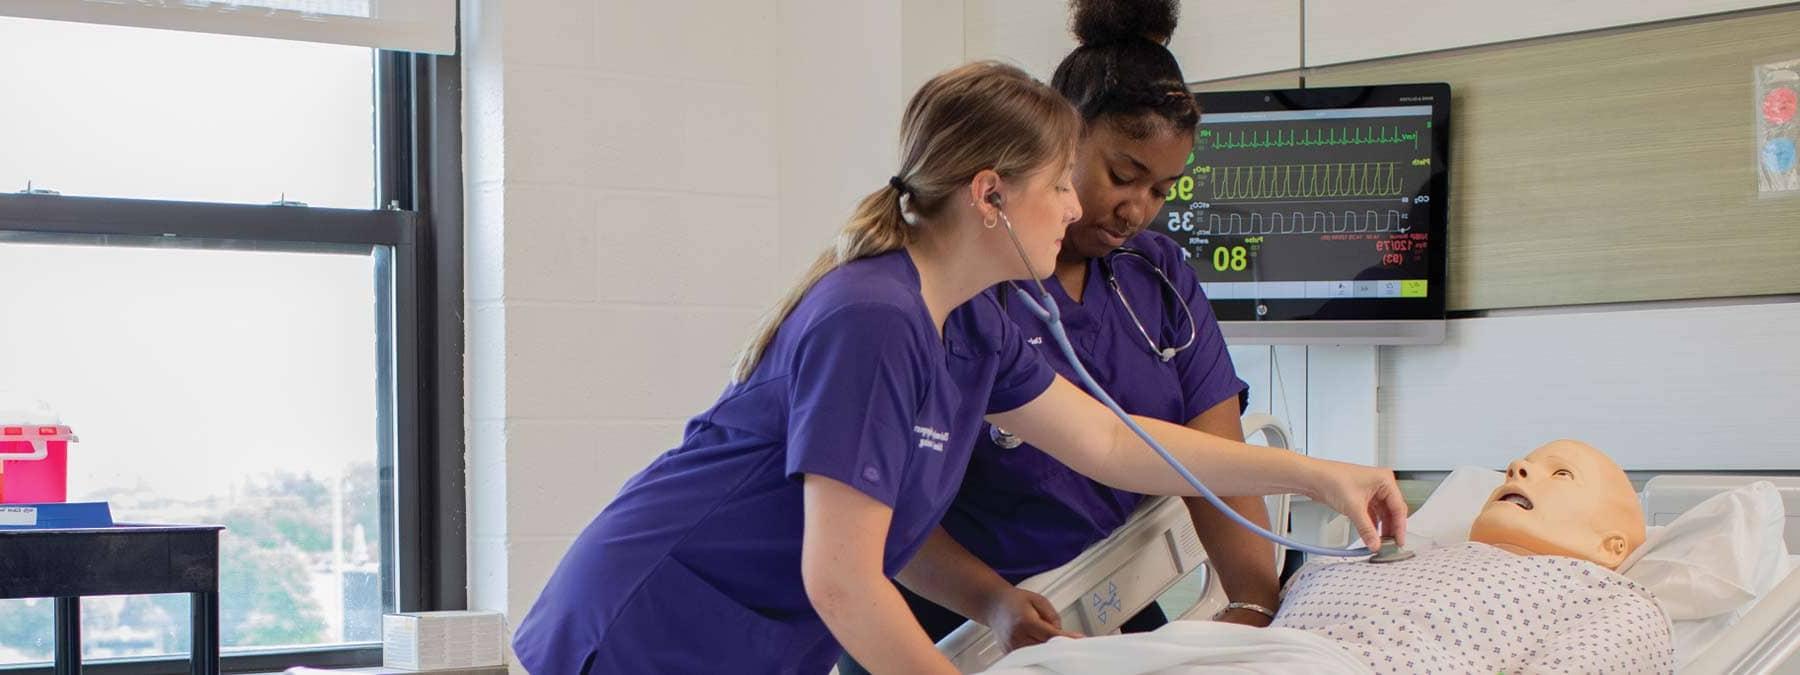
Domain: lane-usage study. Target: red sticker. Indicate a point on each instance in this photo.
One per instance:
(1778, 106)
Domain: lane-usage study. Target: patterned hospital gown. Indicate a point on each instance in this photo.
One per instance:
(1474, 608)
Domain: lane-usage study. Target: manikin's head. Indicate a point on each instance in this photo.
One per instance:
(1566, 499)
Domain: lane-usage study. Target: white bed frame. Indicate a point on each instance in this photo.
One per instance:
(1120, 576)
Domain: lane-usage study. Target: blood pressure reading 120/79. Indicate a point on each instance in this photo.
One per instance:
(1307, 204)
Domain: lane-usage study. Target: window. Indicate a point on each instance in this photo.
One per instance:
(283, 370)
(215, 118)
(250, 404)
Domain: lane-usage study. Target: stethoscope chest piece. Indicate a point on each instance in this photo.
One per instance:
(1003, 439)
(1390, 552)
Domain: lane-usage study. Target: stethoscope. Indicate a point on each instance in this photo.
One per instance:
(1169, 291)
(1051, 315)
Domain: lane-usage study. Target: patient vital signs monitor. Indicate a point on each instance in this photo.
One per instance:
(1318, 215)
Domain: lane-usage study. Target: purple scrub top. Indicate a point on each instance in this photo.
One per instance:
(695, 565)
(1021, 511)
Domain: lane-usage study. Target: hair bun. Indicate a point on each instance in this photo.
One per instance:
(1100, 22)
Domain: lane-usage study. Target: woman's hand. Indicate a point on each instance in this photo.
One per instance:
(1367, 495)
(1021, 618)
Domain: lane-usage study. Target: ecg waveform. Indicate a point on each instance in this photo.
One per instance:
(1311, 138)
(1306, 181)
(1299, 222)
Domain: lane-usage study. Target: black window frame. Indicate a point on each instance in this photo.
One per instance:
(418, 132)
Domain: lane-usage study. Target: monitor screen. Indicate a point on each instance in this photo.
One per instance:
(1318, 204)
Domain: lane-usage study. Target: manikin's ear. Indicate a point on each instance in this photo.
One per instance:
(1613, 550)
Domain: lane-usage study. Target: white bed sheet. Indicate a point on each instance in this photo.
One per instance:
(1185, 647)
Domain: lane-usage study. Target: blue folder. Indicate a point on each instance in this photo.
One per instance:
(67, 515)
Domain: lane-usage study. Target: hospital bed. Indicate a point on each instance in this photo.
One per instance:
(1158, 547)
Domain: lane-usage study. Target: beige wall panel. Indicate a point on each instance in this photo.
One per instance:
(1282, 80)
(1340, 32)
(1609, 167)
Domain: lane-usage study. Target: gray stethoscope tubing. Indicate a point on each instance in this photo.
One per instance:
(1048, 312)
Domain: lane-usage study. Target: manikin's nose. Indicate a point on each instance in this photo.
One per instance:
(1520, 469)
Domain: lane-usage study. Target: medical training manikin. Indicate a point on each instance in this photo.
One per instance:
(1534, 591)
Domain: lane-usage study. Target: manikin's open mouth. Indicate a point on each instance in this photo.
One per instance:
(1516, 498)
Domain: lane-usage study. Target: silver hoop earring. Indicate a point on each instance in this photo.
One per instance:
(991, 222)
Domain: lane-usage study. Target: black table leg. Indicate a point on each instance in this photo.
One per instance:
(68, 636)
(204, 660)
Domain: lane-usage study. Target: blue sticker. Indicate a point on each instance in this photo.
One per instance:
(1778, 155)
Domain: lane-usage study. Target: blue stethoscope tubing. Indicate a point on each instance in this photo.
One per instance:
(1048, 312)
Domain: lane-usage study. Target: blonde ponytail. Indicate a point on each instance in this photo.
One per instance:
(976, 117)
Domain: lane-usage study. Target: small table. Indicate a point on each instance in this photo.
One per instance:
(126, 559)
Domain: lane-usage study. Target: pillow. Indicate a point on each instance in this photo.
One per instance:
(1718, 557)
(1445, 517)
(1709, 565)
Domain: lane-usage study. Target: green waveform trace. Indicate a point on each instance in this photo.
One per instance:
(1306, 181)
(1311, 138)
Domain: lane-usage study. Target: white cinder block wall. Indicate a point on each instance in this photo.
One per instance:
(840, 103)
(644, 178)
(622, 233)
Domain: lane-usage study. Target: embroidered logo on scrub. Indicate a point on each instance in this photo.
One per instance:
(931, 438)
(1035, 341)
